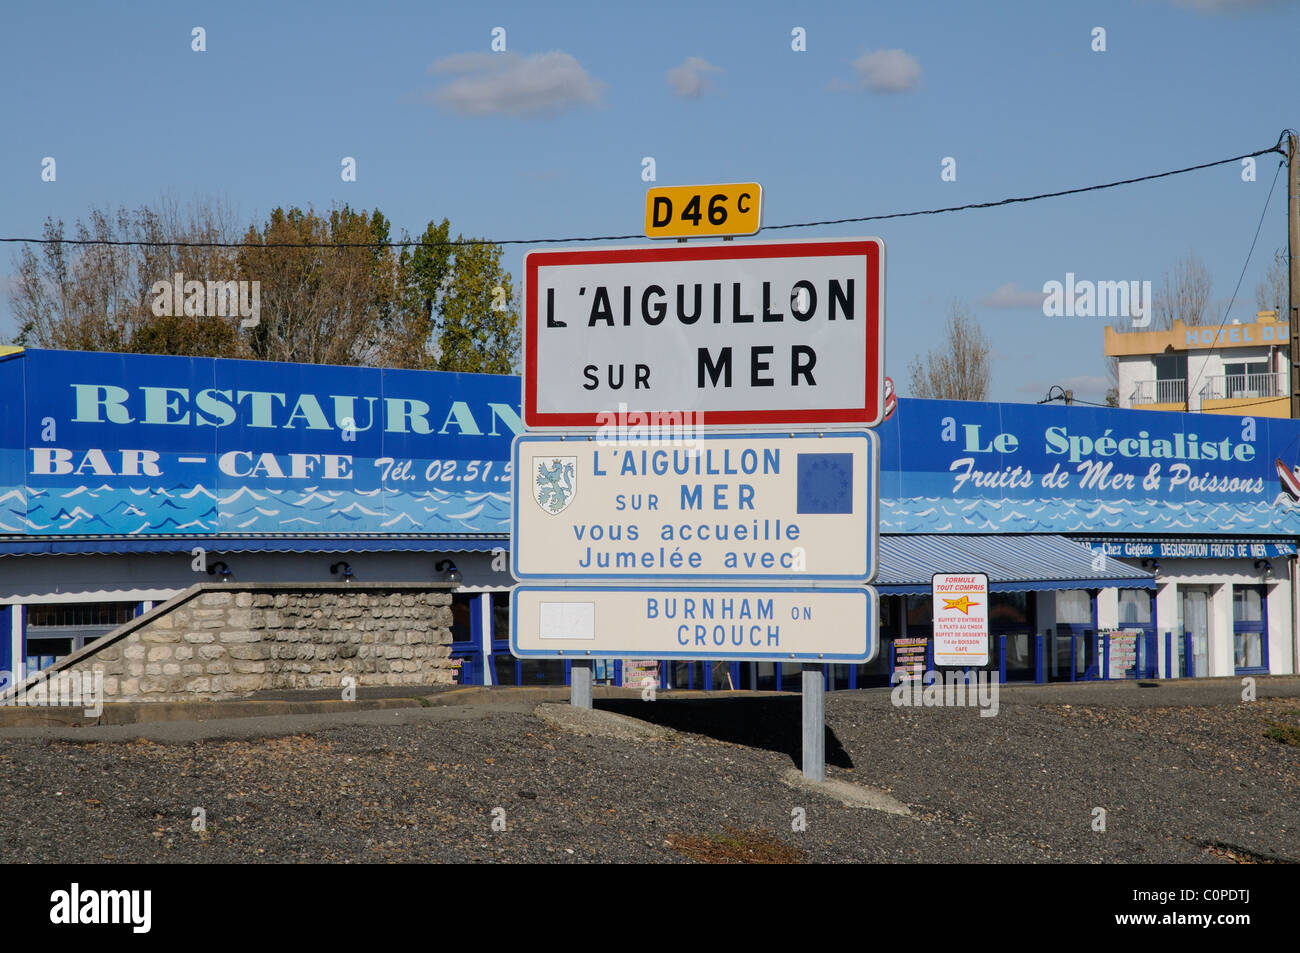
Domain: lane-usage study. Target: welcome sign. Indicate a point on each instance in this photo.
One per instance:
(966, 467)
(124, 444)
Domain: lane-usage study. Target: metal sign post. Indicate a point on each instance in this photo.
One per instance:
(580, 683)
(814, 721)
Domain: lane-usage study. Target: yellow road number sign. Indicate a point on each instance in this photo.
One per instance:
(702, 211)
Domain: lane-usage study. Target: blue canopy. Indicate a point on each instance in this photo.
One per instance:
(1036, 562)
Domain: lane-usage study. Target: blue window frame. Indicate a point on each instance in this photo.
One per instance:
(1074, 655)
(6, 643)
(1137, 613)
(1250, 629)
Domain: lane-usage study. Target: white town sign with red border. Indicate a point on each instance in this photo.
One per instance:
(752, 334)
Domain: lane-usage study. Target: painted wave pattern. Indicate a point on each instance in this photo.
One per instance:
(144, 511)
(937, 515)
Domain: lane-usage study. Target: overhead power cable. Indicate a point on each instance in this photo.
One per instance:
(416, 243)
(1244, 265)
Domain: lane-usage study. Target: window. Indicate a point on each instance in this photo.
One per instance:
(462, 605)
(1247, 379)
(83, 615)
(1134, 607)
(500, 617)
(888, 616)
(1250, 628)
(1073, 607)
(1247, 604)
(920, 612)
(1171, 367)
(53, 631)
(1171, 378)
(1010, 608)
(1074, 649)
(1011, 620)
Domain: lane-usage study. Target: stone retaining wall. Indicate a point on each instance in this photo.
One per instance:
(226, 640)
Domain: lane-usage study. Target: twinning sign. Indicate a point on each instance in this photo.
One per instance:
(640, 354)
(823, 625)
(746, 507)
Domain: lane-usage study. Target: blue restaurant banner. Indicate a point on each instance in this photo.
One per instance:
(137, 445)
(1190, 549)
(967, 467)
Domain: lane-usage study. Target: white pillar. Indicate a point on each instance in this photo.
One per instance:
(485, 628)
(1108, 608)
(16, 618)
(1167, 621)
(1278, 618)
(1221, 658)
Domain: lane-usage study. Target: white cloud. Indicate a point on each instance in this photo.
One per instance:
(691, 79)
(1010, 296)
(888, 71)
(507, 84)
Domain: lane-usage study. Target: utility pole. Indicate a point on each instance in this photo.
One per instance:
(1293, 272)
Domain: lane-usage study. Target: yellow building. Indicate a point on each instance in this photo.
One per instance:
(1237, 368)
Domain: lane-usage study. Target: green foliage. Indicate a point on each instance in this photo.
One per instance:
(1283, 733)
(351, 300)
(480, 325)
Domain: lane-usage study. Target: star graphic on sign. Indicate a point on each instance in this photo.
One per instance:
(964, 604)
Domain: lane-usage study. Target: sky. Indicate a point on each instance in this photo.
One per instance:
(548, 138)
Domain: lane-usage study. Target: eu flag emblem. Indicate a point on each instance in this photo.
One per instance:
(825, 483)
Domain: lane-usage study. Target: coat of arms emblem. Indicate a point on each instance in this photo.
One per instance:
(554, 482)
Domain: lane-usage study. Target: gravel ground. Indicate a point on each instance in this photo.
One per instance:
(1179, 784)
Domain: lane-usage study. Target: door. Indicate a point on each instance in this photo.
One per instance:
(1074, 649)
(1196, 622)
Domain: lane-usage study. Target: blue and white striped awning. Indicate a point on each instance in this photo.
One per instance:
(1012, 563)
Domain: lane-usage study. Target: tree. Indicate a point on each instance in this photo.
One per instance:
(960, 369)
(480, 325)
(1273, 293)
(422, 276)
(457, 307)
(1184, 295)
(348, 298)
(98, 297)
(320, 305)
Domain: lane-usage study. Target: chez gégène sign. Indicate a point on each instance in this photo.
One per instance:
(758, 334)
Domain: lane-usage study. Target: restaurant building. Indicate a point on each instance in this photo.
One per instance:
(1117, 544)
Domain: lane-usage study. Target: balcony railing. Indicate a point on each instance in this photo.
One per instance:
(1229, 386)
(1159, 392)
